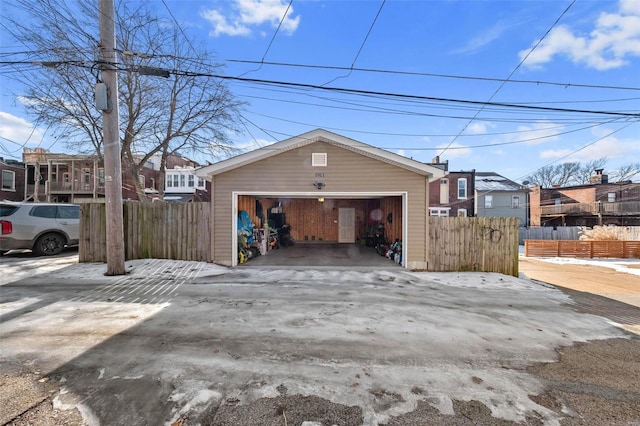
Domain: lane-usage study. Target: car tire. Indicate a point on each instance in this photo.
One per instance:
(49, 244)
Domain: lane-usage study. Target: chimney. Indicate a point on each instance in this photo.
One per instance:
(599, 177)
(436, 159)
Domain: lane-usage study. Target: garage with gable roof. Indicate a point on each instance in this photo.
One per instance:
(328, 188)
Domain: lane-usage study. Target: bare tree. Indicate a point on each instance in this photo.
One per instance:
(587, 170)
(626, 172)
(579, 174)
(559, 174)
(189, 111)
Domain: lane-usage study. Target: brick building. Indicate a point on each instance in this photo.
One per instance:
(598, 203)
(452, 195)
(12, 178)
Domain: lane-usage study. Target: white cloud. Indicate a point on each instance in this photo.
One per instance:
(615, 37)
(221, 26)
(253, 144)
(454, 150)
(554, 153)
(17, 129)
(248, 14)
(485, 38)
(537, 133)
(610, 147)
(477, 128)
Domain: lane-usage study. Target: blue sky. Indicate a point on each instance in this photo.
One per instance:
(593, 43)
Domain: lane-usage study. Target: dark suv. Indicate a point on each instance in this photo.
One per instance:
(45, 228)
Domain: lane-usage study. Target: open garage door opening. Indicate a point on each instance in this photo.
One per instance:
(327, 229)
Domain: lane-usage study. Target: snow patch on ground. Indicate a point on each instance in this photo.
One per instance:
(628, 266)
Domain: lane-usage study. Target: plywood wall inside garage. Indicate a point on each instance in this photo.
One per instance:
(312, 220)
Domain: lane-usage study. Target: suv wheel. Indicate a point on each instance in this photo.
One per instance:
(49, 244)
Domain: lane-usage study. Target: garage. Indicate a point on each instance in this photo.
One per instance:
(328, 188)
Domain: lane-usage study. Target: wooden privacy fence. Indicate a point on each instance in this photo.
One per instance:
(178, 231)
(488, 244)
(583, 249)
(549, 233)
(573, 232)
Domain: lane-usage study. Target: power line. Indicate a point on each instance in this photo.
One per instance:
(378, 93)
(417, 97)
(364, 107)
(541, 130)
(180, 28)
(510, 75)
(284, 16)
(424, 74)
(375, 19)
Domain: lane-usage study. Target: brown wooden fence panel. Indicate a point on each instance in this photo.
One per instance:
(488, 244)
(93, 233)
(178, 231)
(582, 249)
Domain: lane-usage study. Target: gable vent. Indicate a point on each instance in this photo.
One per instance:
(319, 159)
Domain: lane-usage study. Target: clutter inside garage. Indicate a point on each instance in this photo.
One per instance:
(268, 223)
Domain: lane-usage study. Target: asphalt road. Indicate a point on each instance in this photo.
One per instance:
(181, 343)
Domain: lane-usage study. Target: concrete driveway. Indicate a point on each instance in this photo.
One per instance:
(305, 255)
(184, 343)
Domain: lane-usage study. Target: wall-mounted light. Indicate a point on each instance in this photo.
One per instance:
(319, 185)
(321, 199)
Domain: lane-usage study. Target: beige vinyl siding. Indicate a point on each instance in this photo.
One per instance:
(346, 171)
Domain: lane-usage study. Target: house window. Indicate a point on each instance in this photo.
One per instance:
(462, 212)
(141, 180)
(439, 211)
(462, 188)
(488, 201)
(182, 181)
(611, 197)
(191, 181)
(8, 180)
(101, 177)
(515, 201)
(175, 181)
(319, 159)
(153, 183)
(200, 183)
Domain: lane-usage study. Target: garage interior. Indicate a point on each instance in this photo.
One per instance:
(315, 229)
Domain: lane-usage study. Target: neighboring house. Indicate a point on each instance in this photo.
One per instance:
(62, 177)
(182, 184)
(596, 203)
(452, 194)
(328, 188)
(497, 196)
(12, 178)
(76, 178)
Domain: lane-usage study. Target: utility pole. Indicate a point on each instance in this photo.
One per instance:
(111, 136)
